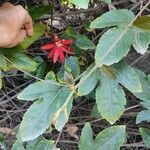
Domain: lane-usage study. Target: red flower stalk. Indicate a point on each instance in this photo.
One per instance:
(58, 48)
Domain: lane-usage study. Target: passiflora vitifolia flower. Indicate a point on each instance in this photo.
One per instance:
(58, 48)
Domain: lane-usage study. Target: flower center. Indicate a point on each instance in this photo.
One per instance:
(59, 43)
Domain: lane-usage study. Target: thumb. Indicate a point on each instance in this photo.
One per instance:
(18, 39)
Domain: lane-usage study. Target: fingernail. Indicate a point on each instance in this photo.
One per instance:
(30, 32)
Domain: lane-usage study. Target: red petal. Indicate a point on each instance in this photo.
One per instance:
(51, 53)
(67, 42)
(56, 54)
(61, 55)
(48, 46)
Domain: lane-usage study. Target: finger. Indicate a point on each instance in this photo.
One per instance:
(19, 38)
(7, 5)
(29, 25)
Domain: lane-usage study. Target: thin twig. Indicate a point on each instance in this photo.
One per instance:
(71, 13)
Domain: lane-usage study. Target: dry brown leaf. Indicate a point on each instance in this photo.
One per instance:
(71, 130)
(7, 131)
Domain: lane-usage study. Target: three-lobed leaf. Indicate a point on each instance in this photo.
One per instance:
(107, 52)
(40, 114)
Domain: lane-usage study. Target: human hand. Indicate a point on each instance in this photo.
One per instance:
(15, 25)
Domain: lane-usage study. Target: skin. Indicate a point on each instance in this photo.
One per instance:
(15, 25)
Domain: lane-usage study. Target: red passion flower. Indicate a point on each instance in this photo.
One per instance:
(58, 48)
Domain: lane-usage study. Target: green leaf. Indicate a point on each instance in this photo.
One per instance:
(78, 51)
(142, 41)
(40, 71)
(95, 113)
(40, 114)
(113, 18)
(145, 133)
(21, 61)
(84, 43)
(50, 76)
(72, 32)
(39, 30)
(128, 77)
(145, 81)
(3, 62)
(87, 27)
(31, 145)
(86, 138)
(110, 99)
(143, 116)
(109, 71)
(45, 145)
(38, 11)
(37, 144)
(40, 144)
(41, 89)
(109, 139)
(18, 145)
(86, 87)
(143, 22)
(60, 75)
(106, 1)
(1, 79)
(61, 117)
(120, 49)
(82, 4)
(72, 66)
(146, 104)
